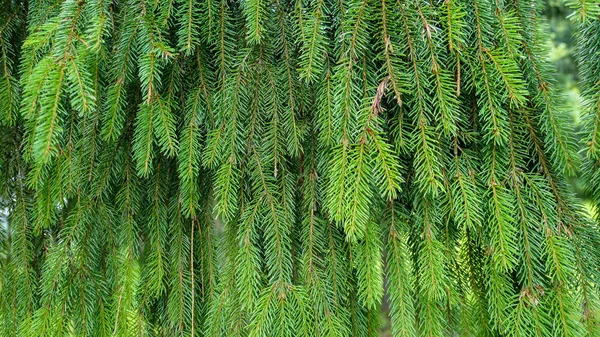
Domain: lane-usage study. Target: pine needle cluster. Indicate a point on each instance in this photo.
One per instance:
(287, 167)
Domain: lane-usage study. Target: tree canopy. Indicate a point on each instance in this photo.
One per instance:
(286, 167)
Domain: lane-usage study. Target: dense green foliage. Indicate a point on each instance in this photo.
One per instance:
(587, 17)
(281, 168)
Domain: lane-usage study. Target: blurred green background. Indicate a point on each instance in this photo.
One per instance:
(561, 29)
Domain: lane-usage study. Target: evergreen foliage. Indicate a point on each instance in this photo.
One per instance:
(282, 168)
(587, 23)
